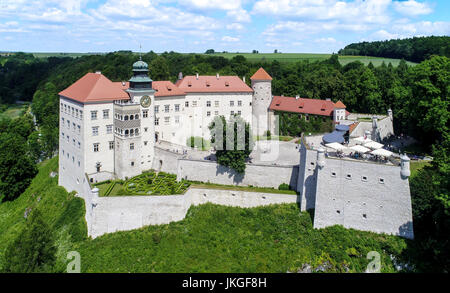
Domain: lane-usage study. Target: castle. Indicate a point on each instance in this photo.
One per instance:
(112, 130)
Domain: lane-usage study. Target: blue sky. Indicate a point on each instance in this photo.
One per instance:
(306, 26)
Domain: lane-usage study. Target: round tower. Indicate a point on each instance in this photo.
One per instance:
(405, 171)
(321, 157)
(262, 97)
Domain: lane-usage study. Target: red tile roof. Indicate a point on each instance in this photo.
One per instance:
(339, 105)
(162, 88)
(261, 74)
(302, 105)
(94, 87)
(166, 89)
(212, 84)
(353, 126)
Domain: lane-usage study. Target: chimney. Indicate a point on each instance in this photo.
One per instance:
(297, 97)
(196, 75)
(328, 99)
(217, 75)
(180, 75)
(98, 72)
(123, 83)
(243, 78)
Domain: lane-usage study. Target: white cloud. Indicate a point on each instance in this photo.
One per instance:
(213, 4)
(230, 39)
(235, 26)
(412, 8)
(369, 11)
(239, 15)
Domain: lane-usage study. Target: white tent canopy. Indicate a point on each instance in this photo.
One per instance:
(382, 152)
(373, 145)
(336, 146)
(360, 149)
(361, 139)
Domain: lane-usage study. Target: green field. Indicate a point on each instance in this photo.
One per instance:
(295, 57)
(212, 238)
(13, 111)
(57, 54)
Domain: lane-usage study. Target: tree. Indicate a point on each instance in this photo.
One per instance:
(210, 51)
(17, 168)
(232, 140)
(159, 69)
(34, 250)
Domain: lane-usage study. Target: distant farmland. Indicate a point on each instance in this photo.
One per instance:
(265, 57)
(295, 57)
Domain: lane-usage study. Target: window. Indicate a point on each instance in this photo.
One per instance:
(145, 129)
(109, 129)
(62, 134)
(68, 124)
(349, 176)
(194, 103)
(145, 142)
(156, 121)
(81, 114)
(96, 147)
(62, 119)
(177, 107)
(105, 114)
(364, 216)
(231, 103)
(216, 103)
(208, 113)
(156, 109)
(239, 113)
(144, 113)
(93, 115)
(131, 146)
(95, 130)
(216, 113)
(364, 178)
(177, 119)
(166, 108)
(73, 141)
(381, 180)
(239, 103)
(111, 145)
(333, 174)
(74, 126)
(166, 120)
(132, 164)
(79, 145)
(232, 113)
(79, 128)
(186, 104)
(208, 103)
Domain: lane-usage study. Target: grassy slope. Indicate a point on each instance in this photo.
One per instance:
(63, 211)
(212, 238)
(13, 111)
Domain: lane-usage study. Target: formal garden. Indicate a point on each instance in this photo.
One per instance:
(148, 183)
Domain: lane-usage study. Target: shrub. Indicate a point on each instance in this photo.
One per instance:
(284, 186)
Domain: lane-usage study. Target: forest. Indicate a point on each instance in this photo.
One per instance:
(414, 49)
(418, 96)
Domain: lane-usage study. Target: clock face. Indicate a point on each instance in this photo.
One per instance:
(146, 101)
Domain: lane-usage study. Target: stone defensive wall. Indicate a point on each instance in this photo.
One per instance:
(123, 213)
(208, 171)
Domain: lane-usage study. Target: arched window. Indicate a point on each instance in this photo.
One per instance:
(136, 116)
(131, 117)
(131, 132)
(126, 117)
(126, 132)
(136, 131)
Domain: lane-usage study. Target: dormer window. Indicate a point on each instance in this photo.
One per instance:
(227, 83)
(189, 84)
(208, 84)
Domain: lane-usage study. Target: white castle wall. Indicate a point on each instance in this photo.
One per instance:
(385, 128)
(255, 175)
(307, 178)
(124, 213)
(363, 203)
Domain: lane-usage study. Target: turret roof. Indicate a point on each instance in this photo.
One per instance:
(261, 74)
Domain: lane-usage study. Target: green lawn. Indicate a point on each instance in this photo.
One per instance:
(241, 188)
(212, 238)
(14, 111)
(415, 166)
(295, 57)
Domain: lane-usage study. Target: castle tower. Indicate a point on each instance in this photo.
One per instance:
(262, 97)
(321, 157)
(339, 112)
(134, 124)
(405, 171)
